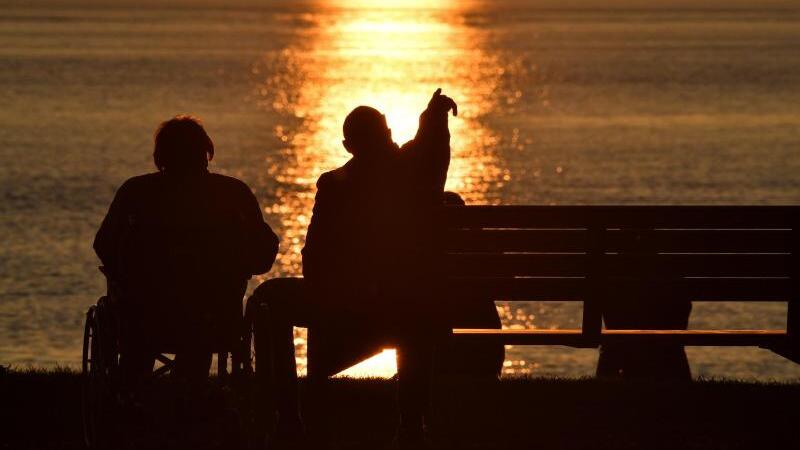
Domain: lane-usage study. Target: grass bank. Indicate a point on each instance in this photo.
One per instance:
(41, 410)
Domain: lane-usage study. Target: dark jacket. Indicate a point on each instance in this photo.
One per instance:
(372, 226)
(184, 245)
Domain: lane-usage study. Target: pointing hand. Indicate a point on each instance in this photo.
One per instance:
(442, 103)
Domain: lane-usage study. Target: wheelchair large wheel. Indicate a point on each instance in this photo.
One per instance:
(99, 366)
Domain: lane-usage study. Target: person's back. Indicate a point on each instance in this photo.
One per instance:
(372, 226)
(364, 228)
(181, 243)
(183, 254)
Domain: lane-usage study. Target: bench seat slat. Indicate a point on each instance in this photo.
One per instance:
(574, 337)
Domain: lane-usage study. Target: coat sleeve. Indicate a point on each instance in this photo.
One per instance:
(321, 247)
(428, 155)
(109, 237)
(261, 243)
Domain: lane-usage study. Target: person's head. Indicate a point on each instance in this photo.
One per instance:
(182, 145)
(365, 131)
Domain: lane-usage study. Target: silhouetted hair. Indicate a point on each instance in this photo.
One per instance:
(181, 143)
(364, 125)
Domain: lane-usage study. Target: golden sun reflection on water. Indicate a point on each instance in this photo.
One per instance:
(382, 365)
(389, 58)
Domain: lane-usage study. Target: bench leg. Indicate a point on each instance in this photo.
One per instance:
(789, 352)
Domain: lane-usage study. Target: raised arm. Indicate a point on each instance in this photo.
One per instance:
(428, 154)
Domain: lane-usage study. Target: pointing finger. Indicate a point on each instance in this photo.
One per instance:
(451, 104)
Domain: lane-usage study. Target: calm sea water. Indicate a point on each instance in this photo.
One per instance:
(586, 105)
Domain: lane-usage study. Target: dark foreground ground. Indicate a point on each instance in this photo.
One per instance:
(41, 410)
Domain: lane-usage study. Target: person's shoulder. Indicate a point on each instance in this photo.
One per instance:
(407, 146)
(226, 180)
(140, 182)
(230, 183)
(333, 178)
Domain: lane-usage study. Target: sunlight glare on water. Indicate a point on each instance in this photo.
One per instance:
(391, 59)
(382, 365)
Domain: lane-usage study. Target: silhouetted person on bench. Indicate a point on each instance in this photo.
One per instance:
(369, 263)
(179, 246)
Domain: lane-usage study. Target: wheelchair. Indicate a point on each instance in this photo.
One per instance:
(102, 385)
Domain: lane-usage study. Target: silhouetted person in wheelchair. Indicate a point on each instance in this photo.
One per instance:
(369, 264)
(178, 247)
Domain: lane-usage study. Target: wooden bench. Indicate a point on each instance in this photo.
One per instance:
(587, 253)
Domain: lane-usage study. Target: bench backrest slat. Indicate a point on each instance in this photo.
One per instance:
(660, 240)
(759, 217)
(554, 288)
(620, 265)
(560, 252)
